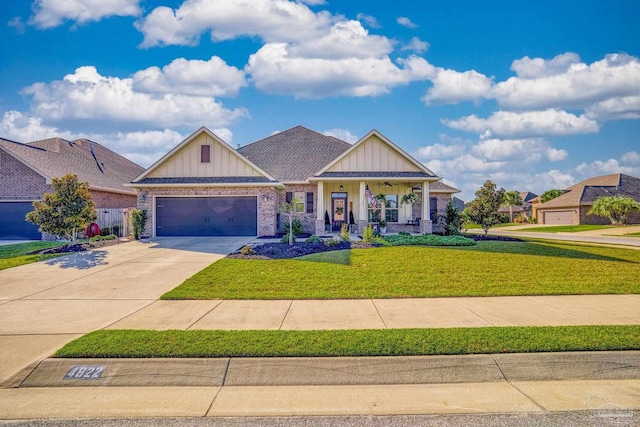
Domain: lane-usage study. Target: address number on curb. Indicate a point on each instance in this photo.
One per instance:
(85, 372)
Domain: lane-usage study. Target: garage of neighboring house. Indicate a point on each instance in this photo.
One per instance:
(13, 225)
(206, 216)
(560, 217)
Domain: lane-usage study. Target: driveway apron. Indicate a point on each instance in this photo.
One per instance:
(44, 305)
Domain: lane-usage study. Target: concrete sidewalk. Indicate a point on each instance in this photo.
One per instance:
(559, 310)
(502, 383)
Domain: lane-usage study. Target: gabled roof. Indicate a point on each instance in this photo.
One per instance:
(441, 187)
(423, 171)
(146, 179)
(527, 196)
(295, 154)
(586, 192)
(51, 158)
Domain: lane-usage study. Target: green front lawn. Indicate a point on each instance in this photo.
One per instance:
(490, 268)
(377, 342)
(18, 254)
(567, 228)
(472, 226)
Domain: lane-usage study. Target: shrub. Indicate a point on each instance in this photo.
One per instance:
(314, 239)
(344, 232)
(404, 233)
(285, 238)
(138, 222)
(428, 240)
(367, 234)
(296, 225)
(332, 242)
(101, 237)
(247, 250)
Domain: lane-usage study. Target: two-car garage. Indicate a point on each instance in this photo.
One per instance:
(559, 217)
(206, 216)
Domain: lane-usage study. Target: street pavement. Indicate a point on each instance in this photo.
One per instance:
(47, 304)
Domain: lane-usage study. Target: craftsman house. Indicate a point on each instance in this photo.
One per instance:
(26, 171)
(205, 187)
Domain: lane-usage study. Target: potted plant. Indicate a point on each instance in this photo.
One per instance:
(327, 222)
(409, 199)
(383, 226)
(352, 223)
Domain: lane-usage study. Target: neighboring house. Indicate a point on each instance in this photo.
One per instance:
(205, 187)
(26, 171)
(524, 209)
(573, 205)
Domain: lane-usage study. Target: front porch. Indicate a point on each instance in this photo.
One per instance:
(354, 202)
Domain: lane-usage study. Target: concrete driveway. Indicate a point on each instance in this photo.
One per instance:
(45, 305)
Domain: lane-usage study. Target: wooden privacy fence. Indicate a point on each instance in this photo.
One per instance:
(114, 221)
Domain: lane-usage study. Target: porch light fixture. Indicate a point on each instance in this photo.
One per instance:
(265, 197)
(341, 187)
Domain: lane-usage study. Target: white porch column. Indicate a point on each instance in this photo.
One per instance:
(364, 205)
(426, 209)
(320, 211)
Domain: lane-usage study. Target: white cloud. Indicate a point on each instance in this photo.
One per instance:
(632, 158)
(621, 108)
(274, 70)
(16, 22)
(191, 77)
(88, 96)
(580, 86)
(527, 150)
(451, 87)
(416, 45)
(527, 68)
(371, 21)
(345, 39)
(19, 127)
(406, 22)
(51, 13)
(440, 151)
(609, 166)
(271, 20)
(343, 134)
(526, 124)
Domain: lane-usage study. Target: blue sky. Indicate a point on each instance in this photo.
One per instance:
(530, 95)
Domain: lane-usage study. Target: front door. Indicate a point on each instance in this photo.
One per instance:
(339, 210)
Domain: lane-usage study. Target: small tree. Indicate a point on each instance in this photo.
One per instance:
(138, 222)
(290, 209)
(550, 195)
(616, 208)
(452, 222)
(511, 199)
(65, 211)
(483, 210)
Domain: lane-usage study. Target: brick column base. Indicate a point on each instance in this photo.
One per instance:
(425, 227)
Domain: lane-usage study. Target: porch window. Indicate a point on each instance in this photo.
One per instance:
(390, 209)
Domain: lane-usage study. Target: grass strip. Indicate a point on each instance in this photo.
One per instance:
(566, 228)
(21, 253)
(490, 268)
(376, 342)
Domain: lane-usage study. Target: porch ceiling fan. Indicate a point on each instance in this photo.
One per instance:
(389, 184)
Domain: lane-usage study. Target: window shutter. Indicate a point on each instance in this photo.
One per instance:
(309, 202)
(288, 197)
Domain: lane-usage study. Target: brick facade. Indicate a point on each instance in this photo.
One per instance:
(104, 199)
(437, 221)
(308, 220)
(268, 199)
(18, 181)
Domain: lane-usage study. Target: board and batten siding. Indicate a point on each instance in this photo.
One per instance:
(186, 162)
(374, 155)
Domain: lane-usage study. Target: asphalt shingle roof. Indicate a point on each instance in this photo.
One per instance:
(587, 191)
(295, 154)
(92, 162)
(375, 175)
(205, 180)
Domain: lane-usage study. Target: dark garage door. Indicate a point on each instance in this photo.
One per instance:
(13, 226)
(206, 216)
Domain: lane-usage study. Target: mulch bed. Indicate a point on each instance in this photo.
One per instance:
(283, 250)
(77, 247)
